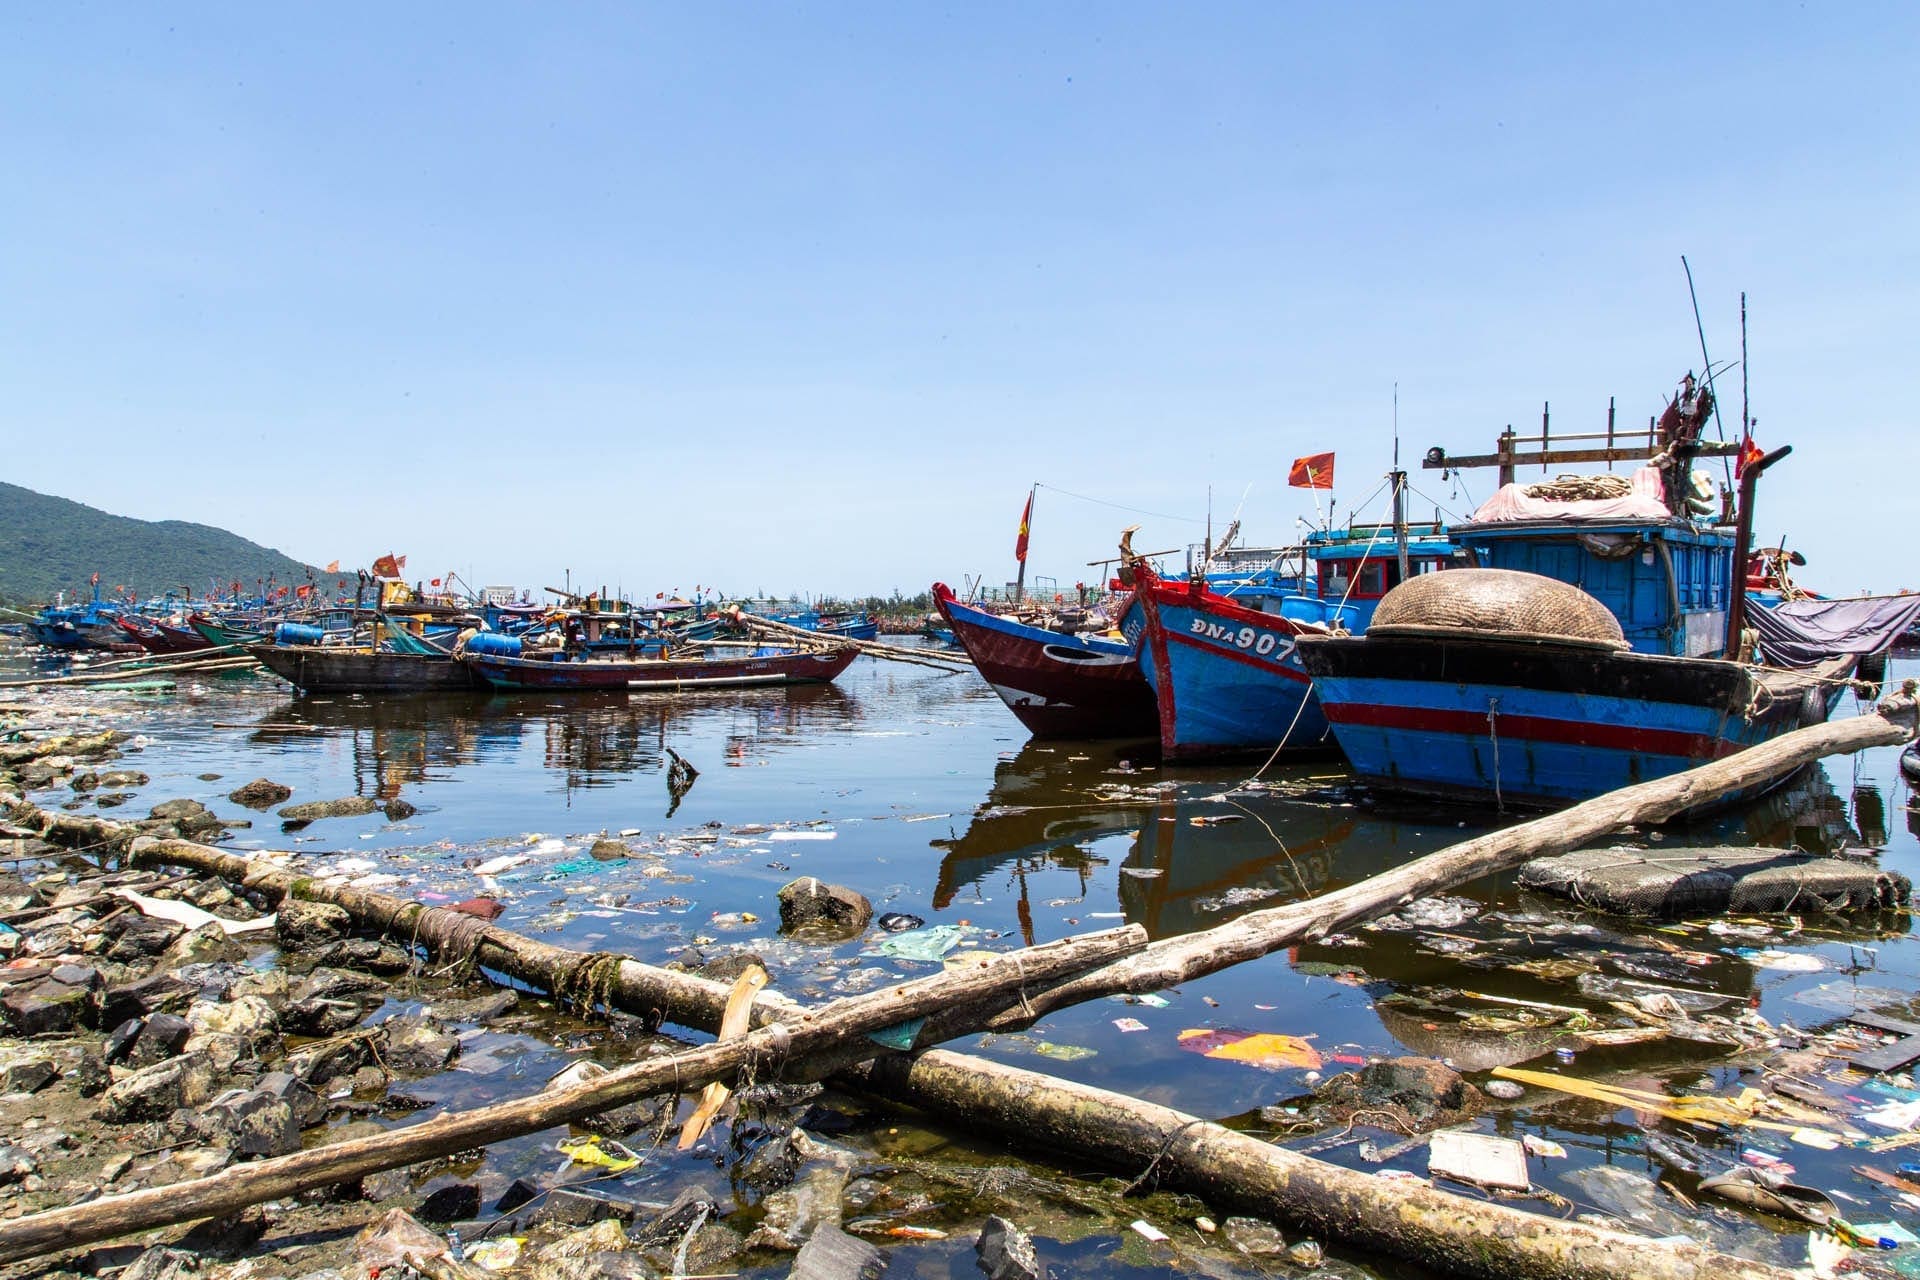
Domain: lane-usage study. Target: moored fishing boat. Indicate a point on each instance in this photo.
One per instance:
(505, 664)
(1225, 669)
(1058, 685)
(398, 661)
(1602, 647)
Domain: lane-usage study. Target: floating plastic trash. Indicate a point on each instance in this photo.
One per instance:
(600, 1153)
(1255, 1048)
(921, 944)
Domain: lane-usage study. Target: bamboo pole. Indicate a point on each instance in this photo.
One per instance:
(770, 1046)
(897, 653)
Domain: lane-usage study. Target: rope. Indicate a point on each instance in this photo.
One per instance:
(1493, 732)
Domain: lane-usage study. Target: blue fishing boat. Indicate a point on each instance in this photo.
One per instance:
(1601, 646)
(94, 624)
(1221, 657)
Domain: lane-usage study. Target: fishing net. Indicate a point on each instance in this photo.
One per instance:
(1498, 602)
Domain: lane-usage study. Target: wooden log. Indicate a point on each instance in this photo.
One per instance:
(1439, 1231)
(762, 1051)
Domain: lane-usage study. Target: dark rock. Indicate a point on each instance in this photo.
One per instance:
(261, 793)
(1426, 1092)
(712, 1248)
(123, 778)
(317, 1017)
(162, 1263)
(316, 1064)
(314, 810)
(365, 953)
(1006, 1252)
(398, 810)
(45, 1008)
(478, 1011)
(521, 1192)
(694, 1204)
(162, 1037)
(417, 1047)
(154, 1093)
(254, 1122)
(455, 1203)
(76, 975)
(84, 782)
(28, 1076)
(309, 1108)
(205, 894)
(304, 926)
(610, 850)
(814, 907)
(339, 984)
(229, 1235)
(772, 1164)
(112, 799)
(209, 944)
(566, 1207)
(121, 1039)
(141, 937)
(614, 1122)
(92, 1076)
(832, 1254)
(160, 992)
(190, 817)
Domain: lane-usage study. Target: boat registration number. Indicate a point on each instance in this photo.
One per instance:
(1252, 639)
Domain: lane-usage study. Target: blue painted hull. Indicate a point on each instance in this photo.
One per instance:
(1226, 680)
(1541, 724)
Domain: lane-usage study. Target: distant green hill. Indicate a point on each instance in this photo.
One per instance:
(48, 544)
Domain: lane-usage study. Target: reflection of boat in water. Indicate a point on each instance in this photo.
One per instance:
(591, 738)
(1042, 812)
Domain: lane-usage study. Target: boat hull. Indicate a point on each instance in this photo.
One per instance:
(667, 675)
(1058, 686)
(1542, 724)
(1227, 680)
(320, 669)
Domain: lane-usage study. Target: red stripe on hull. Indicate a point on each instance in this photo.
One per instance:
(1579, 733)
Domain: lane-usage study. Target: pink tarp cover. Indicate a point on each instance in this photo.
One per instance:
(1646, 501)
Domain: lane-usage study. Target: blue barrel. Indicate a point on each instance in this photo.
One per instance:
(494, 645)
(298, 633)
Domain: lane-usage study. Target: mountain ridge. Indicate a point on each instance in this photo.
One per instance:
(49, 544)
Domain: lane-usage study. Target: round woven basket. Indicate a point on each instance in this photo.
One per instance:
(1496, 603)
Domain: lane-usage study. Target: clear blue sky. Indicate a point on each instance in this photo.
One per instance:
(803, 297)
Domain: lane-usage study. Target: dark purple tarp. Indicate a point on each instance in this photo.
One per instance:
(1799, 633)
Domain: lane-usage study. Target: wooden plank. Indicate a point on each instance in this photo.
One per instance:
(1880, 1022)
(1637, 453)
(1886, 1057)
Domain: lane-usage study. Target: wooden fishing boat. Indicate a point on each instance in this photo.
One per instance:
(1058, 685)
(1604, 646)
(223, 635)
(352, 669)
(505, 665)
(402, 658)
(1223, 662)
(1452, 694)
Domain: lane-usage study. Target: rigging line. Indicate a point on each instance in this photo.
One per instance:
(1117, 506)
(1418, 493)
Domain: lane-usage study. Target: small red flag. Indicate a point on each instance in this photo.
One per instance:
(333, 567)
(1026, 522)
(1750, 453)
(1315, 471)
(387, 567)
(436, 582)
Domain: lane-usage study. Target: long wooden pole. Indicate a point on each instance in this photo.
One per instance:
(1441, 1232)
(770, 1046)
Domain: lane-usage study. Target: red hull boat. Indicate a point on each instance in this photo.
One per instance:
(1060, 686)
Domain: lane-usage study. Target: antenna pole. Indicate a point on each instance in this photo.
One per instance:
(1746, 417)
(1707, 373)
(1399, 479)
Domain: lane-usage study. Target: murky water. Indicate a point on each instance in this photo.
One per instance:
(918, 789)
